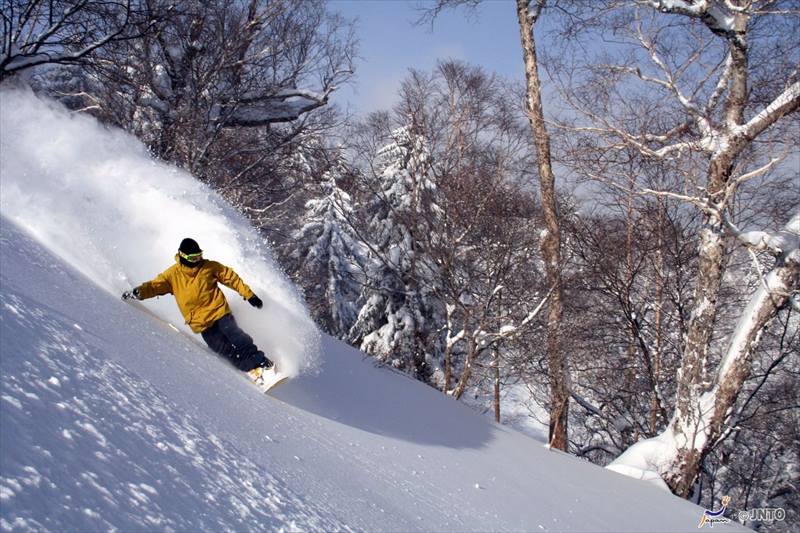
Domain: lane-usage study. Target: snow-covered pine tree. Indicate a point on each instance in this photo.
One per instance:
(330, 259)
(398, 304)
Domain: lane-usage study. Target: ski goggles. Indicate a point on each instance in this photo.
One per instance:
(192, 258)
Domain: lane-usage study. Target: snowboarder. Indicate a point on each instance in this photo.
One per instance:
(193, 281)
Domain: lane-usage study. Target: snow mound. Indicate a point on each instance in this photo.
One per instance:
(96, 198)
(644, 474)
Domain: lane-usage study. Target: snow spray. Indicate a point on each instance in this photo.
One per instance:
(96, 198)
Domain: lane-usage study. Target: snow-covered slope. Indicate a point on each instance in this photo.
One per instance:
(112, 420)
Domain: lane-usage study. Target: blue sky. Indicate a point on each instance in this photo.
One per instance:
(390, 44)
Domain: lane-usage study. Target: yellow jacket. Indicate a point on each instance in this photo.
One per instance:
(196, 291)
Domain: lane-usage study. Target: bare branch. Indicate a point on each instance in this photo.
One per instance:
(787, 102)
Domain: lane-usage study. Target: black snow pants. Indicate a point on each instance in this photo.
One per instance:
(226, 338)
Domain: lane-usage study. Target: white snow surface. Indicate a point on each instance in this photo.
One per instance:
(96, 198)
(111, 420)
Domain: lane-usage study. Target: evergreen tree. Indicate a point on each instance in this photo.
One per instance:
(330, 259)
(397, 304)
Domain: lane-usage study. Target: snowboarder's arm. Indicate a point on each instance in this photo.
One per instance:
(155, 287)
(230, 279)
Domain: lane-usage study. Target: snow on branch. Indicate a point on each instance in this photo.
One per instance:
(785, 242)
(450, 339)
(285, 105)
(787, 102)
(722, 85)
(711, 141)
(509, 330)
(719, 19)
(638, 142)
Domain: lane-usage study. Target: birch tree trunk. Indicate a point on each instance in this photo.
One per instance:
(655, 402)
(472, 352)
(633, 333)
(527, 14)
(496, 383)
(698, 425)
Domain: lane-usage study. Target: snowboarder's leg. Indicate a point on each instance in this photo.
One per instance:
(246, 355)
(217, 341)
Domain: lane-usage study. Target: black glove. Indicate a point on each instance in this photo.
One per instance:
(131, 295)
(255, 301)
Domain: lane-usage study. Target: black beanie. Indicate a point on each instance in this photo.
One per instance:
(189, 246)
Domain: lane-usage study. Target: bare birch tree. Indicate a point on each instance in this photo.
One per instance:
(721, 119)
(528, 13)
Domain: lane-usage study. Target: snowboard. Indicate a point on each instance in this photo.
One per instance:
(270, 379)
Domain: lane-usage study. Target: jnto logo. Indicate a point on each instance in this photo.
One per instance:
(715, 517)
